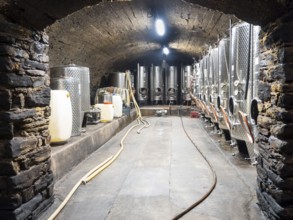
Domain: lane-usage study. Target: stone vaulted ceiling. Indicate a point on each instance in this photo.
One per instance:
(119, 33)
(108, 35)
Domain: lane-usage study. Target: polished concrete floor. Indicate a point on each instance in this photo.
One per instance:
(159, 174)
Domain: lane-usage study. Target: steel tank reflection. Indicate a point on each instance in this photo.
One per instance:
(197, 79)
(142, 88)
(207, 80)
(214, 75)
(171, 91)
(156, 85)
(224, 93)
(255, 84)
(214, 80)
(186, 80)
(201, 80)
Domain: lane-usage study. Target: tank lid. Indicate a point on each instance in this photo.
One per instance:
(68, 65)
(63, 71)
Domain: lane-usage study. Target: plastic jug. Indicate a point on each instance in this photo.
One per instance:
(117, 103)
(60, 124)
(108, 98)
(107, 112)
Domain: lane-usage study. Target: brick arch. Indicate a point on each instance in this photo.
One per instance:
(87, 38)
(40, 14)
(259, 12)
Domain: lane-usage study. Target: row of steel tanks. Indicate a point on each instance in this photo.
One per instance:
(160, 85)
(226, 86)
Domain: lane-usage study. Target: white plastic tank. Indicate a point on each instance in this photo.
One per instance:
(72, 85)
(117, 103)
(60, 124)
(107, 112)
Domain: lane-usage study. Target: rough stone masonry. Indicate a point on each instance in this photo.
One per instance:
(26, 179)
(275, 122)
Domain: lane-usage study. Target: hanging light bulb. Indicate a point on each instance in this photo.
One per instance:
(166, 50)
(160, 27)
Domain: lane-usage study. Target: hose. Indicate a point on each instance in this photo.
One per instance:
(140, 120)
(98, 169)
(139, 117)
(65, 201)
(214, 181)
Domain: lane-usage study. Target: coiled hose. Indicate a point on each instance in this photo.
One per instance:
(212, 187)
(98, 169)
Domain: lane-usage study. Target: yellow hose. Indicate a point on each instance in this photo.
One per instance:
(140, 118)
(62, 205)
(112, 158)
(98, 169)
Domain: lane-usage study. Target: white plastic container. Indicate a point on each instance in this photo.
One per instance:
(60, 124)
(117, 103)
(107, 112)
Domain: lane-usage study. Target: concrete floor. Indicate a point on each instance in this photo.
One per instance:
(158, 175)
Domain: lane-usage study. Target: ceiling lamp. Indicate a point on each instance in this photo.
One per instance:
(160, 27)
(166, 50)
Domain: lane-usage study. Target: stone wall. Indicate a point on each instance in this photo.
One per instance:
(275, 141)
(26, 180)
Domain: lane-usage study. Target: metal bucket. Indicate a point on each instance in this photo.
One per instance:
(171, 91)
(157, 84)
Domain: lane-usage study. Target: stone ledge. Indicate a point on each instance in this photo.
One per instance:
(171, 110)
(65, 157)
